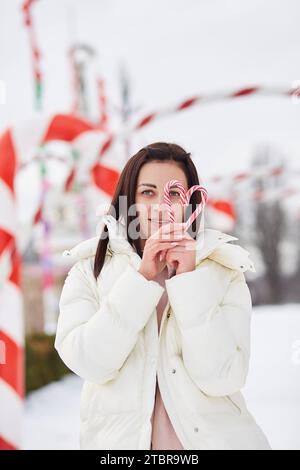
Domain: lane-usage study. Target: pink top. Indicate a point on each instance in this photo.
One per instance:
(163, 433)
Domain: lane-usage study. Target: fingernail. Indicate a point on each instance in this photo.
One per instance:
(174, 243)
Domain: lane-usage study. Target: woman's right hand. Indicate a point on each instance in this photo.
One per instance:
(167, 236)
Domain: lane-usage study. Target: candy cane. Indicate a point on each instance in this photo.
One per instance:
(35, 52)
(11, 307)
(291, 92)
(14, 143)
(184, 200)
(200, 207)
(167, 200)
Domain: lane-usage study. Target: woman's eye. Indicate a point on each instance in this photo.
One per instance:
(147, 191)
(172, 193)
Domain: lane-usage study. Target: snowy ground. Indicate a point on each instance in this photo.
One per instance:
(272, 392)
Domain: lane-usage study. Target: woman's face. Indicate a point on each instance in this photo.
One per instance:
(149, 197)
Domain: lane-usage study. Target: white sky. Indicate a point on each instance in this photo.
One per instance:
(172, 49)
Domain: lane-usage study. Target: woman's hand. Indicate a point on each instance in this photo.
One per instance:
(166, 237)
(183, 256)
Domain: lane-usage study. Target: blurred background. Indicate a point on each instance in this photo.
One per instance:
(83, 86)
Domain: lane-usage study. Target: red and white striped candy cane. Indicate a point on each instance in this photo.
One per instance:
(13, 144)
(11, 305)
(184, 199)
(199, 209)
(167, 199)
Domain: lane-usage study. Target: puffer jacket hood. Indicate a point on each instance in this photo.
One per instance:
(211, 244)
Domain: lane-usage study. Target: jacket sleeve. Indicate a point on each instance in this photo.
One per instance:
(214, 319)
(95, 339)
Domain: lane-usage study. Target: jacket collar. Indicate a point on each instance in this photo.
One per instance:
(211, 244)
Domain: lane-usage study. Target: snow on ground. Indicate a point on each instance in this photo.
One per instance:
(52, 416)
(272, 392)
(273, 386)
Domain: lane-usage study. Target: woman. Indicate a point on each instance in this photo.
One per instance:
(157, 321)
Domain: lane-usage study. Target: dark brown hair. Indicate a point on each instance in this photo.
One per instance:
(127, 183)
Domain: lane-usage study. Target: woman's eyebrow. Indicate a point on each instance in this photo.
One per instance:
(153, 185)
(147, 184)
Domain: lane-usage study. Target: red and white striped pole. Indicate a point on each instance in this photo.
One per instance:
(59, 127)
(201, 100)
(11, 306)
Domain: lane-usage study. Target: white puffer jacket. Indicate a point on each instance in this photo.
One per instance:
(107, 334)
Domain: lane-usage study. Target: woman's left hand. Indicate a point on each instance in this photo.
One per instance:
(183, 256)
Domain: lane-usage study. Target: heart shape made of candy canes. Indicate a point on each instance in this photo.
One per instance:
(185, 197)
